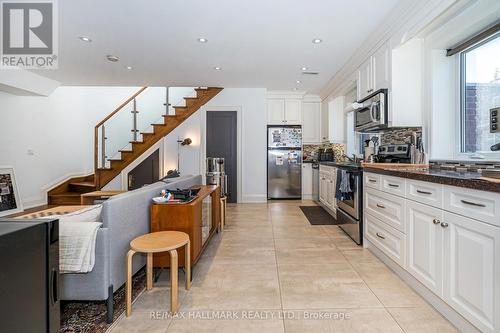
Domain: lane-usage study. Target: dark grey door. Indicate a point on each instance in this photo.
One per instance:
(222, 142)
(147, 172)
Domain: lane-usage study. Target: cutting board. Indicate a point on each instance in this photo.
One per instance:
(394, 165)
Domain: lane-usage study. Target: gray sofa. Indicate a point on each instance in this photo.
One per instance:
(124, 217)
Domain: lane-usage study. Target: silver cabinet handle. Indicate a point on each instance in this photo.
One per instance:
(380, 236)
(372, 180)
(444, 225)
(472, 203)
(436, 221)
(423, 192)
(393, 185)
(380, 206)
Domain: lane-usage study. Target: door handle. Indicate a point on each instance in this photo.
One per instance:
(423, 192)
(380, 206)
(444, 225)
(380, 236)
(472, 203)
(54, 286)
(436, 221)
(393, 185)
(372, 180)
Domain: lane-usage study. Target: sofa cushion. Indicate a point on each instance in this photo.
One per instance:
(88, 214)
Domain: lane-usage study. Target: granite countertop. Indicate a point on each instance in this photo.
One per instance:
(471, 180)
(309, 161)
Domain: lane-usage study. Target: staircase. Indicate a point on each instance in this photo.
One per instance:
(109, 163)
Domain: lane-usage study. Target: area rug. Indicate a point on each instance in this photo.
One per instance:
(90, 317)
(316, 215)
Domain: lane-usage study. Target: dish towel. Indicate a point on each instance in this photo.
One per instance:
(77, 246)
(344, 187)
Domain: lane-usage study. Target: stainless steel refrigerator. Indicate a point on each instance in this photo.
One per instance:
(284, 162)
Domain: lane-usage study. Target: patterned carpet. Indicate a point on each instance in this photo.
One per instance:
(90, 317)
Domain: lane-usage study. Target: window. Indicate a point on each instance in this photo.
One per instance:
(480, 92)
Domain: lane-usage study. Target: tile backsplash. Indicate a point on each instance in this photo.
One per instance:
(310, 151)
(399, 135)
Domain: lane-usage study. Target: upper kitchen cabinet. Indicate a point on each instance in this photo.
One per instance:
(311, 122)
(324, 121)
(374, 73)
(284, 111)
(337, 120)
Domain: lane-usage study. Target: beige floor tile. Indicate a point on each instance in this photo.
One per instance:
(421, 319)
(140, 322)
(241, 255)
(319, 256)
(360, 255)
(299, 232)
(221, 286)
(343, 321)
(303, 243)
(240, 321)
(323, 286)
(157, 299)
(345, 243)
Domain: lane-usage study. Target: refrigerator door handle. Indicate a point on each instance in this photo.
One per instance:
(54, 286)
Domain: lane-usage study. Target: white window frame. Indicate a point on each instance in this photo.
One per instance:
(460, 67)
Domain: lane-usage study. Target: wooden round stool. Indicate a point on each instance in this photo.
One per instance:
(163, 241)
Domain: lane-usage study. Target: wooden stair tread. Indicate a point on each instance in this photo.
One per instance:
(87, 184)
(66, 194)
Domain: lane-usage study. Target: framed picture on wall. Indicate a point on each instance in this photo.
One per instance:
(9, 193)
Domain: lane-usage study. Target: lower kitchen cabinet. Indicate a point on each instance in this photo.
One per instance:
(472, 270)
(327, 186)
(425, 245)
(324, 179)
(307, 180)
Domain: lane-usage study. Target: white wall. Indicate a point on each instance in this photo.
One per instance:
(59, 130)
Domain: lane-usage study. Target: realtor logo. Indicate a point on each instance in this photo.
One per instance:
(29, 35)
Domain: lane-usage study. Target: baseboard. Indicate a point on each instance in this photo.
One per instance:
(30, 203)
(462, 324)
(254, 198)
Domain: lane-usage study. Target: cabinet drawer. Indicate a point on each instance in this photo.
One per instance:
(393, 185)
(425, 192)
(372, 180)
(387, 239)
(388, 208)
(479, 205)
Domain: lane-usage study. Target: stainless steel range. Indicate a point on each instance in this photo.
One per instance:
(350, 203)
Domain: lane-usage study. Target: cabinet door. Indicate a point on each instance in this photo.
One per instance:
(337, 121)
(293, 111)
(381, 67)
(275, 111)
(472, 270)
(333, 175)
(330, 196)
(307, 180)
(311, 114)
(425, 245)
(324, 122)
(322, 188)
(365, 85)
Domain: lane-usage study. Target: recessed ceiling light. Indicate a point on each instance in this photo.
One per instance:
(112, 58)
(129, 68)
(317, 40)
(202, 40)
(217, 68)
(85, 39)
(298, 81)
(304, 69)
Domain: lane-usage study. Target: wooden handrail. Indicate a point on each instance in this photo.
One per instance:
(96, 129)
(120, 107)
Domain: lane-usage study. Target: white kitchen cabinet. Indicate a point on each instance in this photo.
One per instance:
(275, 111)
(472, 270)
(327, 186)
(324, 122)
(311, 122)
(324, 179)
(381, 67)
(425, 245)
(330, 198)
(365, 79)
(307, 181)
(337, 120)
(375, 72)
(283, 111)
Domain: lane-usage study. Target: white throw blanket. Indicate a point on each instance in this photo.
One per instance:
(77, 246)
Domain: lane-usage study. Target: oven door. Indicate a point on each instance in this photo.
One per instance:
(350, 205)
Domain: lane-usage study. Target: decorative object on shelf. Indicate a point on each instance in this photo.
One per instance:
(180, 143)
(10, 202)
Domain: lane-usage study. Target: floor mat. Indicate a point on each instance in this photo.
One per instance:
(316, 215)
(90, 317)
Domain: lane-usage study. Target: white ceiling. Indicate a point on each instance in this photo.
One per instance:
(258, 43)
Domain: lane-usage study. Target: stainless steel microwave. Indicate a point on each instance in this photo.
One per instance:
(371, 112)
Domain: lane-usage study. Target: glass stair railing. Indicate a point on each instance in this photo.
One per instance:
(125, 125)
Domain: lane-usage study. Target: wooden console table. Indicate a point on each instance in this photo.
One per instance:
(188, 218)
